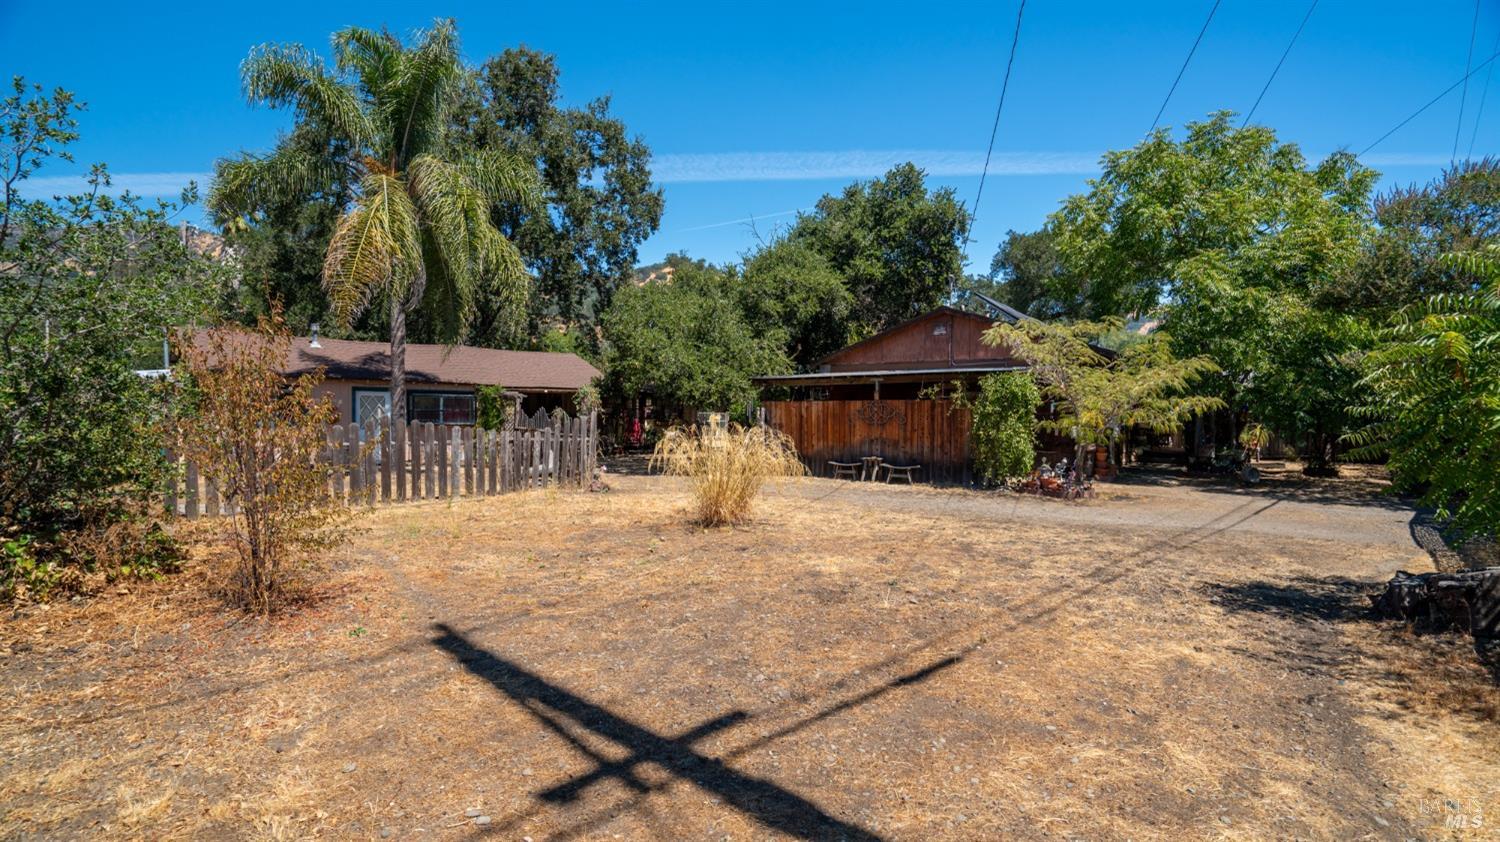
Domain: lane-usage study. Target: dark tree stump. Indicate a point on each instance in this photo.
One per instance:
(1469, 600)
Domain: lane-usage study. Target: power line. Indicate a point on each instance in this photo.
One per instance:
(1479, 115)
(1284, 54)
(995, 129)
(1464, 100)
(1184, 67)
(1430, 103)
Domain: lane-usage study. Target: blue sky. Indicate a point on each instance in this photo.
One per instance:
(755, 110)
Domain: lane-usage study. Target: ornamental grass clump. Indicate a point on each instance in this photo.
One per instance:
(727, 466)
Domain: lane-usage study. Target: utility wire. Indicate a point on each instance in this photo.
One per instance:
(1430, 103)
(1284, 54)
(1015, 39)
(1185, 61)
(1479, 115)
(1464, 99)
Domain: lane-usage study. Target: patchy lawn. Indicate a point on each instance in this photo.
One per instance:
(1171, 660)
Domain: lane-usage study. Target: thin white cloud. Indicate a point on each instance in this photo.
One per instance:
(147, 184)
(860, 163)
(746, 221)
(744, 166)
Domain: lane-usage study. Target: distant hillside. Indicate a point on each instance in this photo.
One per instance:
(652, 273)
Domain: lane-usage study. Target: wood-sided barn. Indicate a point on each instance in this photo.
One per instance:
(887, 396)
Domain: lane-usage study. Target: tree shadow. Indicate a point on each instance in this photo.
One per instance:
(1354, 490)
(1302, 598)
(1436, 654)
(562, 712)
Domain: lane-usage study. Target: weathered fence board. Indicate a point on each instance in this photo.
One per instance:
(378, 462)
(930, 433)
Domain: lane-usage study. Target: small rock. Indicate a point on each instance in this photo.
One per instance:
(473, 812)
(1223, 820)
(349, 767)
(526, 773)
(385, 833)
(482, 820)
(1382, 822)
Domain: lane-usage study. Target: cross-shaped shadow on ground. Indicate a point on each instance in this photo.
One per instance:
(764, 801)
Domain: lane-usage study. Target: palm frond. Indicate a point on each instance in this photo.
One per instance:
(250, 183)
(278, 75)
(374, 58)
(422, 93)
(460, 237)
(504, 177)
(376, 246)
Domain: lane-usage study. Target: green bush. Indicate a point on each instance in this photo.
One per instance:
(491, 407)
(1003, 433)
(87, 285)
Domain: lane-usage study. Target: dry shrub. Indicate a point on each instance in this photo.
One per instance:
(258, 436)
(727, 466)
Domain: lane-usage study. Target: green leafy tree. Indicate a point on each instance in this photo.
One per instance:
(897, 245)
(1235, 240)
(686, 341)
(1028, 274)
(280, 244)
(789, 287)
(598, 200)
(1099, 394)
(418, 228)
(88, 286)
(1252, 202)
(1432, 397)
(1458, 211)
(1003, 426)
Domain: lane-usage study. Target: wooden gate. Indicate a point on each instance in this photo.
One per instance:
(930, 433)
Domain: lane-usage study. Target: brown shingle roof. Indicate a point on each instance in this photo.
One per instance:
(343, 359)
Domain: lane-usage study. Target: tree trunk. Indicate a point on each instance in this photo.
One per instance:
(398, 359)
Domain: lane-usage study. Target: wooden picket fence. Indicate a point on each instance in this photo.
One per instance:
(382, 461)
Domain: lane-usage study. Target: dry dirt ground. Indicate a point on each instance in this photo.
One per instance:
(1172, 660)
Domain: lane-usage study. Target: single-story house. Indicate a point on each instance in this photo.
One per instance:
(440, 380)
(886, 396)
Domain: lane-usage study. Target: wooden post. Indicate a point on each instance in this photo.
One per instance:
(352, 460)
(455, 456)
(468, 447)
(496, 437)
(592, 454)
(336, 460)
(507, 443)
(440, 439)
(190, 503)
(398, 456)
(477, 451)
(210, 498)
(387, 456)
(429, 457)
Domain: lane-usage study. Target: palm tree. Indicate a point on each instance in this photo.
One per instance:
(418, 227)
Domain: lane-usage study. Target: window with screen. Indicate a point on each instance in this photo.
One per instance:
(441, 407)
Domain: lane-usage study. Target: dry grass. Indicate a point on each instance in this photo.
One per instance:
(913, 663)
(727, 467)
